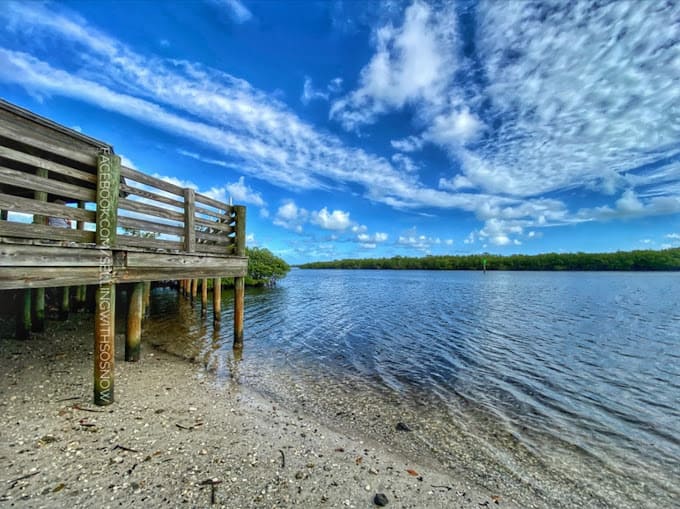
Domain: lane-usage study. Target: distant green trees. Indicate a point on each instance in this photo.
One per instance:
(264, 268)
(667, 259)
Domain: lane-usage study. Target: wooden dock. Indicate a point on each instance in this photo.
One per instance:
(72, 215)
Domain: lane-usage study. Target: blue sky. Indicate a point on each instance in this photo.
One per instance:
(363, 129)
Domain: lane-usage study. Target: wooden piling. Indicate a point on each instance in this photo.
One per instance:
(108, 182)
(239, 297)
(104, 343)
(204, 296)
(239, 282)
(133, 334)
(38, 304)
(65, 303)
(146, 299)
(81, 298)
(23, 315)
(194, 288)
(217, 299)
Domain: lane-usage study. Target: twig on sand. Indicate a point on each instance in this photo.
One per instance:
(283, 459)
(123, 448)
(14, 482)
(68, 399)
(213, 488)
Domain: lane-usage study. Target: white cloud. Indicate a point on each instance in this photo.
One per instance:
(376, 238)
(411, 64)
(408, 144)
(630, 205)
(310, 94)
(235, 9)
(424, 243)
(405, 163)
(239, 192)
(674, 236)
(336, 220)
(290, 216)
(335, 85)
(126, 161)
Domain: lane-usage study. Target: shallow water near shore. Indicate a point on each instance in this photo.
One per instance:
(558, 389)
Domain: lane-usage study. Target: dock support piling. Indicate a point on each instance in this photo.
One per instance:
(23, 316)
(65, 304)
(38, 304)
(133, 334)
(217, 299)
(239, 282)
(194, 288)
(204, 296)
(239, 297)
(104, 343)
(81, 297)
(108, 182)
(146, 299)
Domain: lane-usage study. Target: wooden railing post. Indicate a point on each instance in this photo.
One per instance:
(133, 335)
(108, 181)
(189, 220)
(239, 282)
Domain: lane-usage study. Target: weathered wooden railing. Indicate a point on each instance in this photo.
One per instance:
(70, 214)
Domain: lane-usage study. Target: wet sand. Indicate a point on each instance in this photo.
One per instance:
(175, 430)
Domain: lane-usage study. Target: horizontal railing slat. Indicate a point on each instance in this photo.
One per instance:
(223, 227)
(150, 195)
(213, 213)
(35, 183)
(29, 206)
(214, 238)
(16, 134)
(143, 178)
(39, 231)
(152, 210)
(38, 162)
(150, 226)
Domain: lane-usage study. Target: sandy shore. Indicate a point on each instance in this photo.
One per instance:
(173, 431)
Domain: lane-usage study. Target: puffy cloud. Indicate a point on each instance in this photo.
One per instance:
(239, 192)
(336, 220)
(290, 216)
(411, 63)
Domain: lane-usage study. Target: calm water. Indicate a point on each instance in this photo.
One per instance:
(556, 388)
